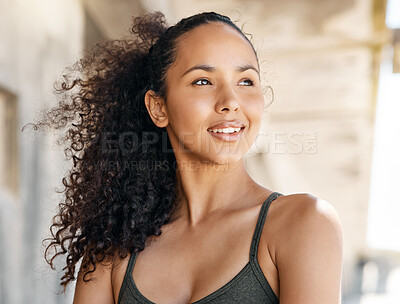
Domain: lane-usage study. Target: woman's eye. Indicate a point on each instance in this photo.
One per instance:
(201, 82)
(246, 82)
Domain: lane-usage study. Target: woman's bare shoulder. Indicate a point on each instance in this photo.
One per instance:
(298, 215)
(104, 283)
(303, 206)
(308, 244)
(93, 284)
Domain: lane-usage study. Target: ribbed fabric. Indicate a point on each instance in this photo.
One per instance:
(249, 286)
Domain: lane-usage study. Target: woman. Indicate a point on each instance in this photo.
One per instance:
(159, 207)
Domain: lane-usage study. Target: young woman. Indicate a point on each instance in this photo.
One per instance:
(159, 207)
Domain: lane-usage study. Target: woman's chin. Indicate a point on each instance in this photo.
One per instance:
(224, 160)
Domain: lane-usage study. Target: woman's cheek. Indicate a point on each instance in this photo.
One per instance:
(254, 104)
(198, 106)
(190, 112)
(255, 110)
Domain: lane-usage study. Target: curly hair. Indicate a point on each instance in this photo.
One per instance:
(121, 188)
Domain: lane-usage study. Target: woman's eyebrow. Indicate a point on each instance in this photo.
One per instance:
(209, 68)
(246, 67)
(204, 67)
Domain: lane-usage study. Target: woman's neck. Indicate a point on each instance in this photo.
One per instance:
(204, 187)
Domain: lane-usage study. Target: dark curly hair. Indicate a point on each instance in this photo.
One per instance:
(122, 186)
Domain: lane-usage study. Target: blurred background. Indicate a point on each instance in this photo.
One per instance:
(332, 129)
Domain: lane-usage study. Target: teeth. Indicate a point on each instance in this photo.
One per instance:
(226, 130)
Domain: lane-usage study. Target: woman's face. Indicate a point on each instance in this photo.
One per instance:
(215, 79)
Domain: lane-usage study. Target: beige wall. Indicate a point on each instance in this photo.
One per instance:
(37, 39)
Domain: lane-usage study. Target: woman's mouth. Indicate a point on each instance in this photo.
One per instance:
(226, 134)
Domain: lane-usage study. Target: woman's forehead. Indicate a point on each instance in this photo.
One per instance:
(214, 43)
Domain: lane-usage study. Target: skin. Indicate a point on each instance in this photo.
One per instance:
(301, 246)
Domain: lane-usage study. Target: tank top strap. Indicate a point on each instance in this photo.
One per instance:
(131, 263)
(128, 275)
(260, 223)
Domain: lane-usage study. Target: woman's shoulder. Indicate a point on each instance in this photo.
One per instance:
(305, 206)
(104, 281)
(302, 215)
(93, 284)
(307, 241)
(299, 217)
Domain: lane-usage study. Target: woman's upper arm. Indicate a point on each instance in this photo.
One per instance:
(309, 255)
(96, 291)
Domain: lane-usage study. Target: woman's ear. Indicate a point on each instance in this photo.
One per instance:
(156, 107)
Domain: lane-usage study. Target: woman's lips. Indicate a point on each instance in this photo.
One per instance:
(227, 137)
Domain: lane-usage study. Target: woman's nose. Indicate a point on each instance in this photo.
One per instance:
(227, 99)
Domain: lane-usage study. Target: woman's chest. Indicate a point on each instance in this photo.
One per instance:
(184, 268)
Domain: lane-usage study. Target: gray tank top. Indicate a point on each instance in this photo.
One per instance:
(249, 286)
